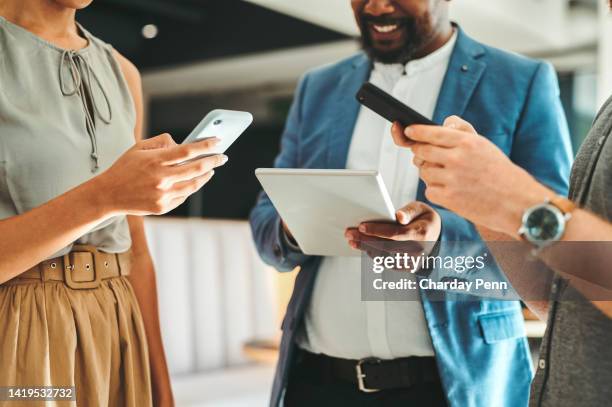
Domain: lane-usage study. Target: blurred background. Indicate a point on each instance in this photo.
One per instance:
(220, 306)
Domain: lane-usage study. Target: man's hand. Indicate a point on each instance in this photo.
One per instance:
(416, 222)
(467, 174)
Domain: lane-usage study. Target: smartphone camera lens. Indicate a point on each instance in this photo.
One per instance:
(217, 122)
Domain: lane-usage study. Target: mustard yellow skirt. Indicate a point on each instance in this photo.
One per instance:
(94, 340)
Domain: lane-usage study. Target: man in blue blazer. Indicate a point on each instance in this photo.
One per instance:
(460, 353)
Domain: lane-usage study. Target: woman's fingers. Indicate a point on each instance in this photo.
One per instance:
(162, 141)
(176, 202)
(184, 189)
(195, 168)
(185, 152)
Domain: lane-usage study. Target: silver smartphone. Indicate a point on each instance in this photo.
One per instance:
(227, 125)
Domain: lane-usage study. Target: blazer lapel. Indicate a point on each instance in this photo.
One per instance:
(464, 72)
(462, 77)
(343, 118)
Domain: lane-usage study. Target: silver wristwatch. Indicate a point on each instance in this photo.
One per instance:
(545, 224)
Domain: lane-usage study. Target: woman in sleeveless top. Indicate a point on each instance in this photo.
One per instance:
(78, 304)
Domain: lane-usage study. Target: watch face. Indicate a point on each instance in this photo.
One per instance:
(543, 224)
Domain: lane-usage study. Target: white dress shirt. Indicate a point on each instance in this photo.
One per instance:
(338, 323)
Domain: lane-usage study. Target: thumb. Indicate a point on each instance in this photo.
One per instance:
(411, 211)
(162, 141)
(456, 122)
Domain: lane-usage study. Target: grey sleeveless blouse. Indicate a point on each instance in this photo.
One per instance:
(65, 116)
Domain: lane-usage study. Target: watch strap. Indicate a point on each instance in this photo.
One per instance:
(563, 204)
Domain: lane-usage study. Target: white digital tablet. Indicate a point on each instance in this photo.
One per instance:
(319, 205)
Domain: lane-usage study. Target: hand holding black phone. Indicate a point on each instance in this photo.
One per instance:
(390, 108)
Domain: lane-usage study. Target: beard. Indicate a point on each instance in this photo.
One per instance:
(416, 37)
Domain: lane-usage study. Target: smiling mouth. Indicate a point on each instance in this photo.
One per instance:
(385, 29)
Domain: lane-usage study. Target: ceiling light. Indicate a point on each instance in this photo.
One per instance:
(150, 31)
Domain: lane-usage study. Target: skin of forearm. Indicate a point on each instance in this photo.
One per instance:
(144, 284)
(37, 234)
(586, 227)
(587, 267)
(517, 269)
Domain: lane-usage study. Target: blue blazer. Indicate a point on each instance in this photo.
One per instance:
(481, 350)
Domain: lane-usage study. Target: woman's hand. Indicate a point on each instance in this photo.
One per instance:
(154, 177)
(469, 175)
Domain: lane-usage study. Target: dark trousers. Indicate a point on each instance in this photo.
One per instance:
(307, 388)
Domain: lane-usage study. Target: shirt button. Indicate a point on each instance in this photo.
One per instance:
(601, 140)
(465, 68)
(555, 287)
(542, 364)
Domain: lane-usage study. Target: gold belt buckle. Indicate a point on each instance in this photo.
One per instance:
(96, 268)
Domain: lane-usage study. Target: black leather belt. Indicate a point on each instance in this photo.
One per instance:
(372, 375)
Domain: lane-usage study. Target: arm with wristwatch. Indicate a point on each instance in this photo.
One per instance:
(496, 194)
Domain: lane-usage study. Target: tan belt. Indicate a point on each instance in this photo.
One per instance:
(83, 268)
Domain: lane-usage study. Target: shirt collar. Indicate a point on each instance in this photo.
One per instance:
(439, 56)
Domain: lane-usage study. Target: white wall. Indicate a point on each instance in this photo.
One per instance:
(605, 53)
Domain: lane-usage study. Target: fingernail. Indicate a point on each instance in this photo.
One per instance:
(212, 172)
(408, 132)
(362, 228)
(224, 159)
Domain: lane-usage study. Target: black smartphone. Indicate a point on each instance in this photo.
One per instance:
(382, 103)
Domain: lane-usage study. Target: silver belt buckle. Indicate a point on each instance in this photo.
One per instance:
(361, 376)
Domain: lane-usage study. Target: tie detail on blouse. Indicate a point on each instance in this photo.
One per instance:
(83, 79)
